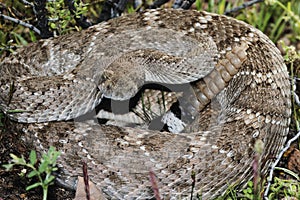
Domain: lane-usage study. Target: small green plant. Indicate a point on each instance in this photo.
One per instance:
(279, 189)
(60, 18)
(211, 6)
(284, 188)
(248, 192)
(291, 55)
(43, 172)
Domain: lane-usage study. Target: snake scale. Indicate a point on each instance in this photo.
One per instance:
(239, 93)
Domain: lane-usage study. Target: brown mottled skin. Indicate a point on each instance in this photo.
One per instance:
(240, 90)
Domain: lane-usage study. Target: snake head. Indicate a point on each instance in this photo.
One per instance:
(120, 81)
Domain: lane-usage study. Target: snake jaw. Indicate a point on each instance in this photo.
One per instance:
(122, 79)
(113, 87)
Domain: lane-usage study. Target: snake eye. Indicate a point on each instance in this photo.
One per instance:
(104, 76)
(107, 75)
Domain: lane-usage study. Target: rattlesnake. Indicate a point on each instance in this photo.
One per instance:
(241, 94)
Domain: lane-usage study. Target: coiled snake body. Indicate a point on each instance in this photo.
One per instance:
(238, 81)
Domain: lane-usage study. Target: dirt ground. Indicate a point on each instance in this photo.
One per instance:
(12, 185)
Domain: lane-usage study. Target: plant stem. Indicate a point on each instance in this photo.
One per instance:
(45, 192)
